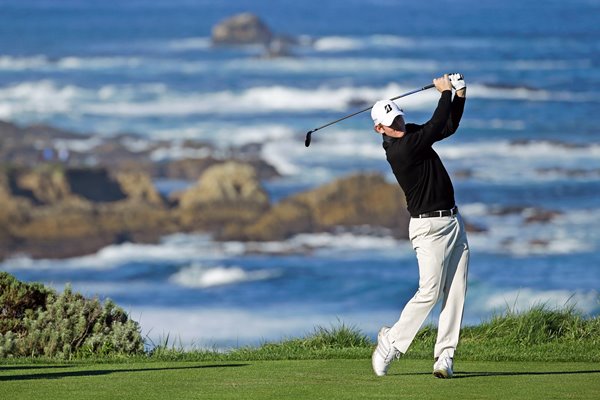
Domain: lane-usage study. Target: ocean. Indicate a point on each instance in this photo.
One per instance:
(525, 162)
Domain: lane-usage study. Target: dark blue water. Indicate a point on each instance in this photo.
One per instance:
(529, 139)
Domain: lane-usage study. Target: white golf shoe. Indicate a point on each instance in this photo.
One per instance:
(384, 353)
(443, 368)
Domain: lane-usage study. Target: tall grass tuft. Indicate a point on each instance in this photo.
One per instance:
(336, 337)
(540, 333)
(539, 325)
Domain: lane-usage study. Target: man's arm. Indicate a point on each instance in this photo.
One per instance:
(456, 112)
(433, 130)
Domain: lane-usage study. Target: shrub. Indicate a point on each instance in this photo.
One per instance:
(17, 301)
(62, 325)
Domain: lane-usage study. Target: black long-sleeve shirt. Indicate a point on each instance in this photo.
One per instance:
(417, 166)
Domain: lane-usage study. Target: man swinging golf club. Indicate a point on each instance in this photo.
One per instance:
(436, 229)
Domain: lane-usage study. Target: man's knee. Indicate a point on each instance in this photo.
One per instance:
(429, 295)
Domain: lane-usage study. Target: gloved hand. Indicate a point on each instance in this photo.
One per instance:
(457, 80)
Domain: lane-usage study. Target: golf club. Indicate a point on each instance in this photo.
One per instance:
(309, 133)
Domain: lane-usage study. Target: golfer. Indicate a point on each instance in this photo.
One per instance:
(436, 229)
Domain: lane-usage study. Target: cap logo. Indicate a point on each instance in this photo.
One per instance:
(387, 108)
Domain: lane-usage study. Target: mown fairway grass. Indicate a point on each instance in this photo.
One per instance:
(299, 379)
(540, 354)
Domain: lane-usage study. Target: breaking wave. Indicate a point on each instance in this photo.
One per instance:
(199, 276)
(46, 97)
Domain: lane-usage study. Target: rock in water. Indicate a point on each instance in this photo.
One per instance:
(227, 193)
(356, 201)
(243, 28)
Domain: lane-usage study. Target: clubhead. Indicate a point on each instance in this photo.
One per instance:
(308, 138)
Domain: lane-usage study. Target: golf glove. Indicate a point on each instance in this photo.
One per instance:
(457, 80)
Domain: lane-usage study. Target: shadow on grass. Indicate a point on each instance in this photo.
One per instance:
(12, 367)
(460, 375)
(97, 372)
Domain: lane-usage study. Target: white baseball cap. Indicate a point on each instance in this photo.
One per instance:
(384, 112)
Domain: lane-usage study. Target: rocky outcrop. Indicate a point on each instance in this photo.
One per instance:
(356, 201)
(249, 29)
(138, 186)
(227, 194)
(61, 212)
(33, 146)
(242, 29)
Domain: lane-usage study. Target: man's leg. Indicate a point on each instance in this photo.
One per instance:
(430, 256)
(455, 288)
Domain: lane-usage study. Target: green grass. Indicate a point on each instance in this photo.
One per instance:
(539, 354)
(540, 334)
(299, 379)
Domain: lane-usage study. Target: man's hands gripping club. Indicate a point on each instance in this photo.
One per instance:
(457, 80)
(451, 81)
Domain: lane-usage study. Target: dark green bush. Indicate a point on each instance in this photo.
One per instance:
(18, 300)
(41, 322)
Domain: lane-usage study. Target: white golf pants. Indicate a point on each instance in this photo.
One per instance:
(443, 256)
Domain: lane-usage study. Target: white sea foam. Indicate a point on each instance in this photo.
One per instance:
(11, 63)
(200, 276)
(180, 248)
(191, 43)
(179, 152)
(510, 233)
(305, 65)
(78, 145)
(529, 150)
(345, 241)
(39, 97)
(503, 161)
(194, 248)
(495, 123)
(260, 133)
(144, 100)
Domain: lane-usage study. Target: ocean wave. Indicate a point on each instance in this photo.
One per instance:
(179, 248)
(11, 63)
(492, 161)
(43, 63)
(527, 149)
(518, 235)
(199, 276)
(495, 123)
(191, 249)
(46, 97)
(303, 65)
(78, 145)
(252, 133)
(347, 43)
(190, 44)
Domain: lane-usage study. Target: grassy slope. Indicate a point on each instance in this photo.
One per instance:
(299, 379)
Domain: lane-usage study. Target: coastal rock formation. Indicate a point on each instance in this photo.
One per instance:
(355, 201)
(63, 212)
(226, 194)
(138, 186)
(242, 29)
(249, 29)
(59, 212)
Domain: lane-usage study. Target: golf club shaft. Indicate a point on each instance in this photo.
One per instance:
(309, 133)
